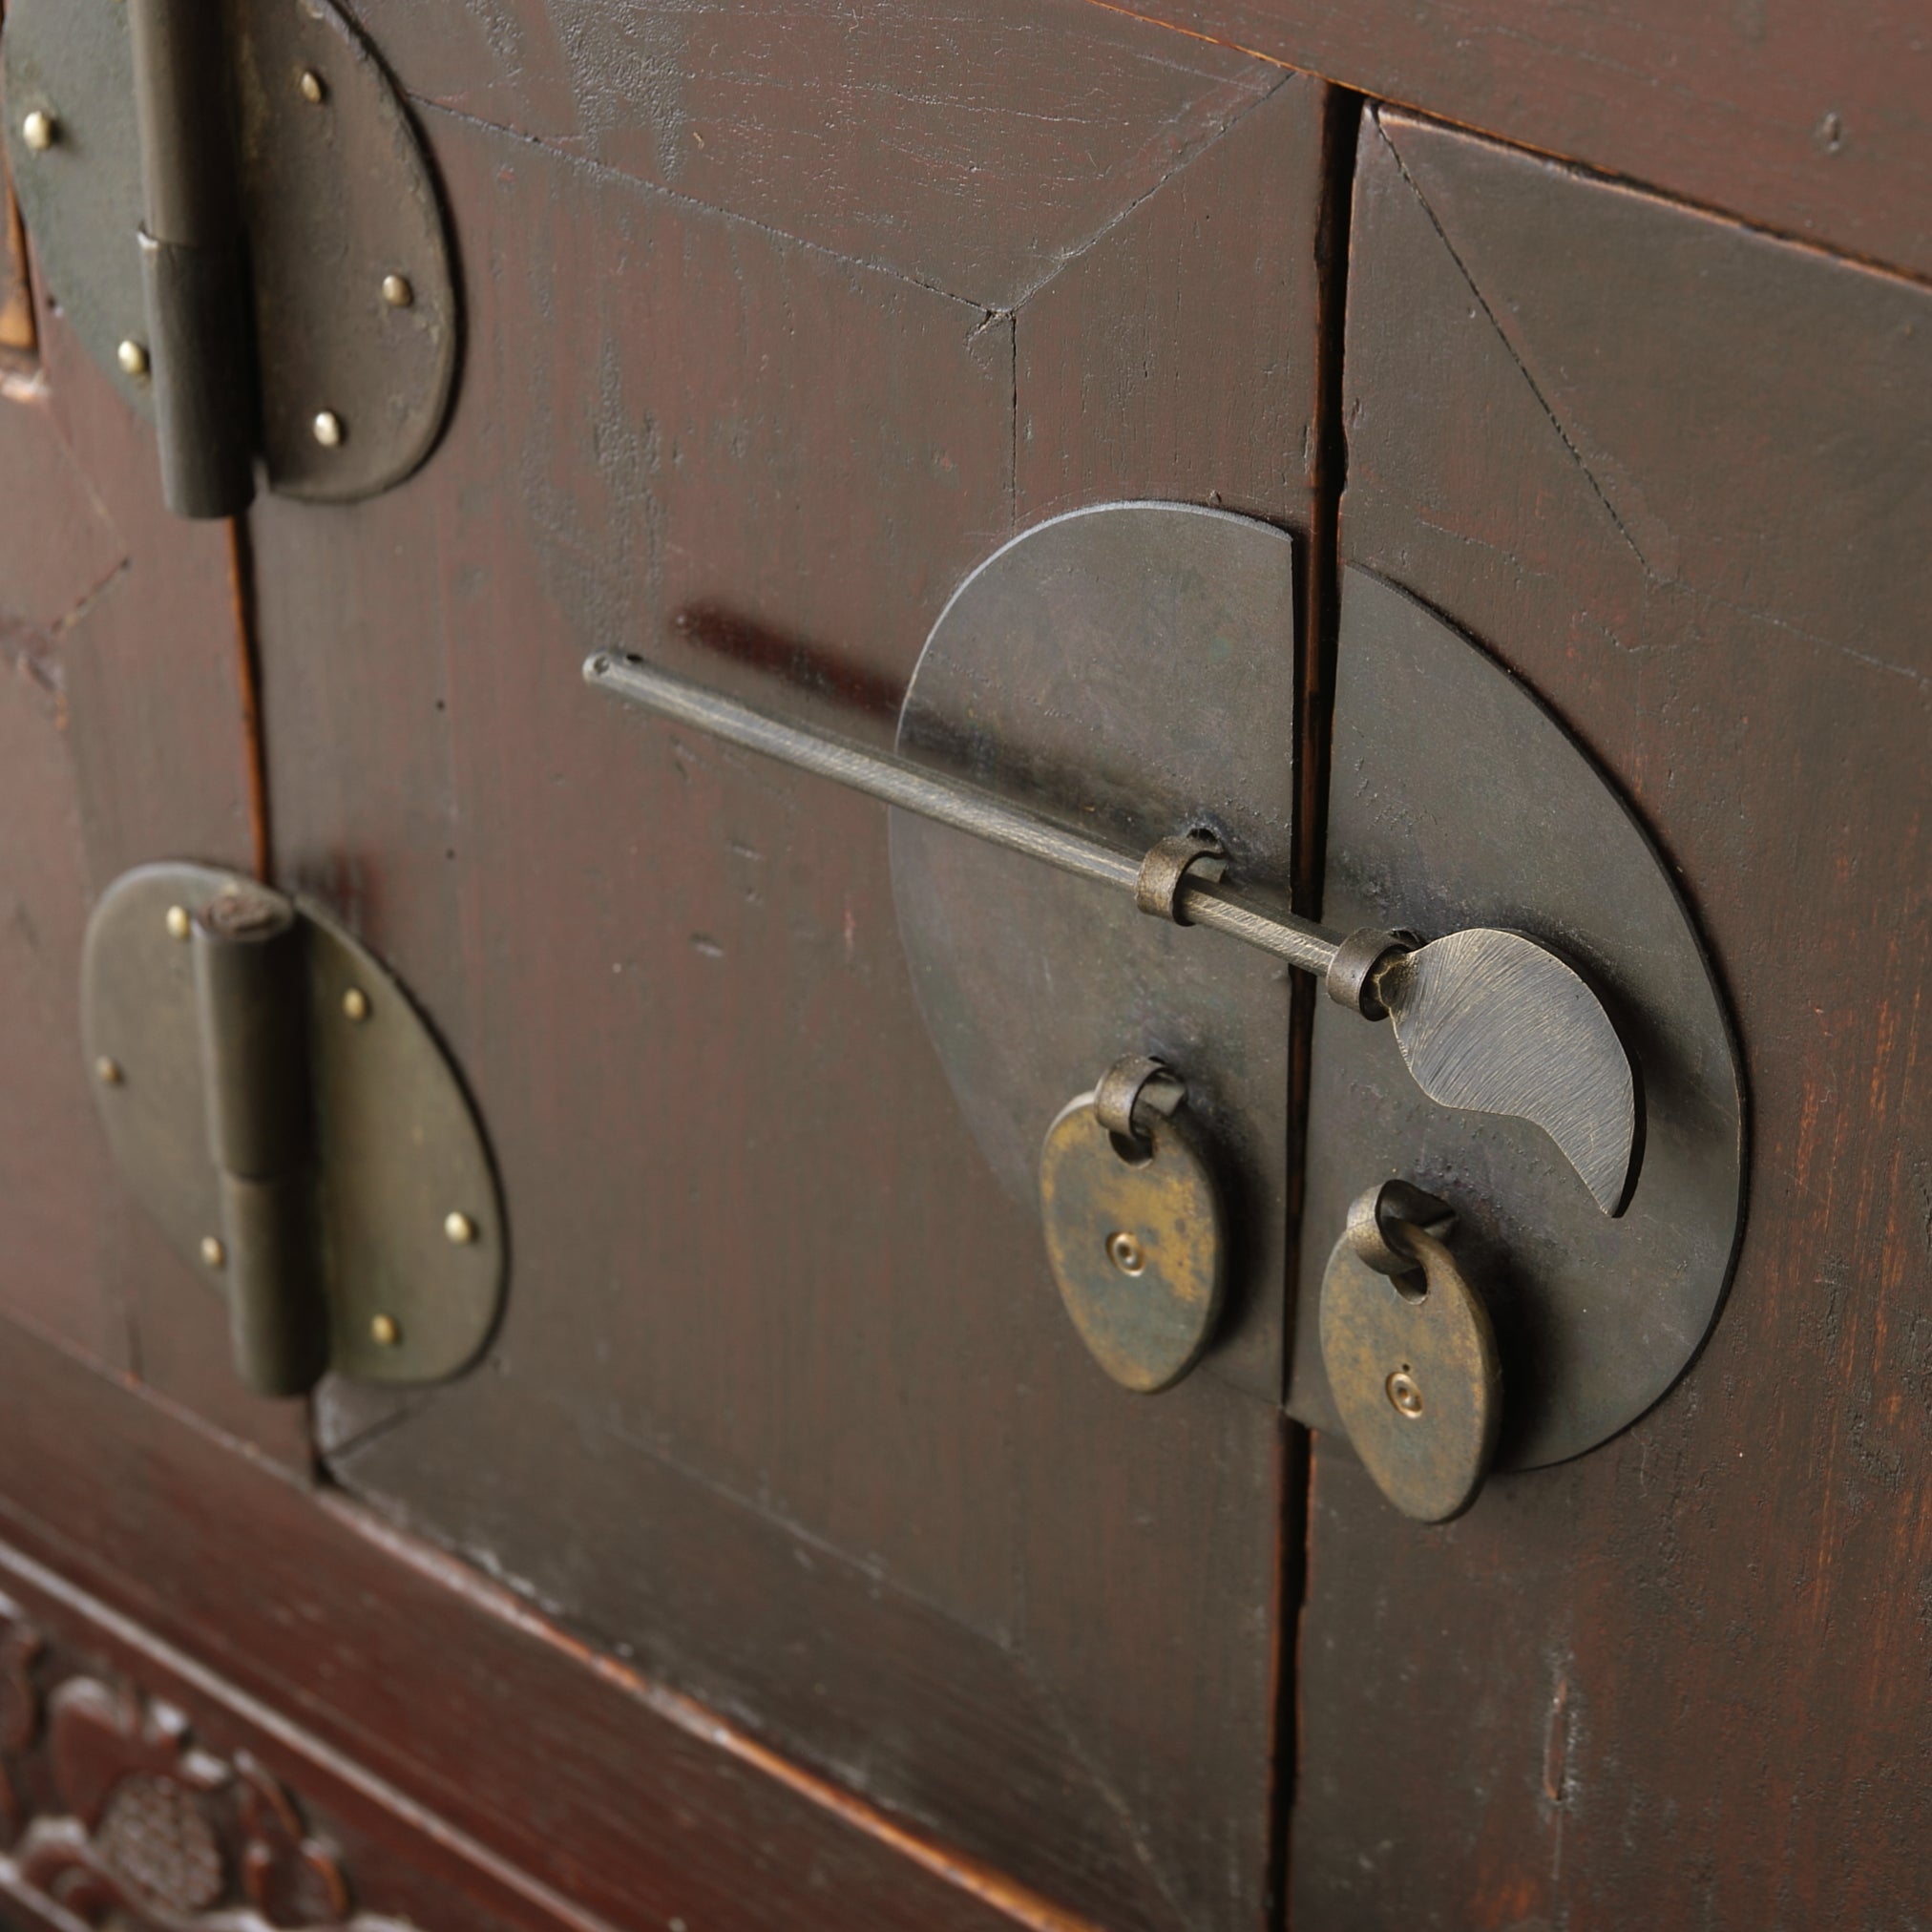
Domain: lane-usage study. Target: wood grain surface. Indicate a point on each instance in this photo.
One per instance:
(1672, 472)
(461, 1737)
(975, 147)
(1813, 121)
(124, 737)
(144, 1789)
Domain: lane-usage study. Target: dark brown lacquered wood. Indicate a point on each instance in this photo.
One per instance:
(452, 1734)
(975, 146)
(1177, 360)
(126, 738)
(1672, 472)
(785, 1405)
(1792, 116)
(136, 1778)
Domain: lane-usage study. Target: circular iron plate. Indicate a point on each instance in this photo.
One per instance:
(1130, 671)
(1457, 800)
(1129, 668)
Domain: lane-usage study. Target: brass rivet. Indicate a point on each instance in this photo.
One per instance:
(179, 924)
(1126, 1253)
(459, 1228)
(133, 357)
(355, 1003)
(397, 292)
(327, 428)
(313, 89)
(212, 1251)
(1404, 1394)
(384, 1330)
(39, 131)
(107, 1071)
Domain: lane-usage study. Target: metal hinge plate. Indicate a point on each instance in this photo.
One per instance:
(408, 1251)
(354, 311)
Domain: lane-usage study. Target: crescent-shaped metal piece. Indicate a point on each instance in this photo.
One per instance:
(1495, 1022)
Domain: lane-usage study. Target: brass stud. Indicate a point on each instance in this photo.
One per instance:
(213, 1253)
(355, 1004)
(179, 923)
(329, 430)
(40, 131)
(1126, 1253)
(107, 1072)
(384, 1330)
(1404, 1394)
(133, 357)
(313, 89)
(397, 292)
(459, 1228)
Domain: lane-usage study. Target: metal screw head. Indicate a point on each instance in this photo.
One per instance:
(133, 357)
(1126, 1253)
(385, 1331)
(329, 430)
(213, 1253)
(459, 1228)
(397, 292)
(179, 923)
(39, 131)
(355, 1004)
(107, 1071)
(1404, 1394)
(313, 90)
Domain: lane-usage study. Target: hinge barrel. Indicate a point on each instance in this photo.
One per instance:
(251, 992)
(194, 268)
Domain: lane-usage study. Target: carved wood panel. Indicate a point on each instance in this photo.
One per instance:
(114, 1813)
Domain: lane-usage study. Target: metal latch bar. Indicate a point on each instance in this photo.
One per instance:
(950, 801)
(1485, 1020)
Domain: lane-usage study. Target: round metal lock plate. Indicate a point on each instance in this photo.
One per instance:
(1457, 800)
(1135, 1237)
(1129, 670)
(1415, 1375)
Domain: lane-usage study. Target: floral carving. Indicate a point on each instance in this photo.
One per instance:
(111, 1810)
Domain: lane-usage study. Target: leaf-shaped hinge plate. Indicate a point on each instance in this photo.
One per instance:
(401, 1236)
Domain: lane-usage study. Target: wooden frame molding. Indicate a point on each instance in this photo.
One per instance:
(1790, 117)
(164, 1548)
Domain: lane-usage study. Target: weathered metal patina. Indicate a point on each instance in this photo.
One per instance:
(234, 211)
(280, 1107)
(1411, 1354)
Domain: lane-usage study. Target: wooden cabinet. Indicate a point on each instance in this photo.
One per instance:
(785, 1560)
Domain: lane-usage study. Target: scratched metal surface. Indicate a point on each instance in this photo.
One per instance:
(1126, 669)
(1457, 800)
(1494, 1021)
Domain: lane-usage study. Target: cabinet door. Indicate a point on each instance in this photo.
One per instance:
(1673, 472)
(779, 321)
